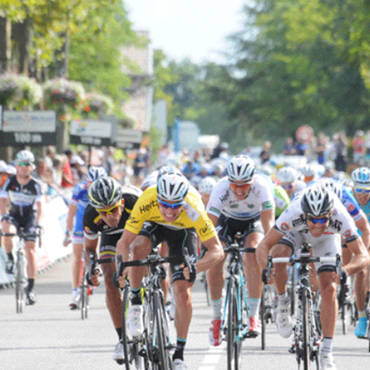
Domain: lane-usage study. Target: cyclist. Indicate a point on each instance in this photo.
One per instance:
(309, 173)
(110, 205)
(288, 179)
(361, 191)
(240, 202)
(316, 216)
(23, 195)
(173, 213)
(205, 189)
(75, 216)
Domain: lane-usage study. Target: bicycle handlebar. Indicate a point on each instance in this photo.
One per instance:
(93, 264)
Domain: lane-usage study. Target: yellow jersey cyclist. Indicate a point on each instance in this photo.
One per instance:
(242, 202)
(169, 212)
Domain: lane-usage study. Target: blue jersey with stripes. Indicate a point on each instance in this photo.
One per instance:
(81, 200)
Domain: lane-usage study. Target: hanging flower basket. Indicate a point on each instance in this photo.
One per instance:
(18, 92)
(98, 103)
(61, 92)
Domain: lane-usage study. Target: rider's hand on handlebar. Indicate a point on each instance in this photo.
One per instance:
(268, 279)
(190, 275)
(94, 281)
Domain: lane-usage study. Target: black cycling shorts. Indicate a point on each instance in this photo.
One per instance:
(228, 227)
(108, 244)
(176, 240)
(28, 223)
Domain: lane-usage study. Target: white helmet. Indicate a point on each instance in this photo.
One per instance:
(317, 201)
(308, 170)
(172, 186)
(361, 176)
(240, 168)
(25, 156)
(206, 185)
(286, 175)
(95, 173)
(333, 185)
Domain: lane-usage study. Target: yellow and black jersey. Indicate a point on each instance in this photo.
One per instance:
(193, 215)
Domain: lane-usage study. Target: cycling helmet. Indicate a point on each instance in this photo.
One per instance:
(333, 185)
(361, 177)
(308, 170)
(317, 201)
(25, 156)
(206, 185)
(95, 173)
(166, 169)
(286, 175)
(149, 180)
(240, 168)
(172, 186)
(104, 192)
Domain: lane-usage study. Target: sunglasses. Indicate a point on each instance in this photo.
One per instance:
(287, 186)
(169, 205)
(110, 210)
(317, 220)
(243, 186)
(27, 164)
(360, 190)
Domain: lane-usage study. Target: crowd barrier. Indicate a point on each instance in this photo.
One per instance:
(52, 250)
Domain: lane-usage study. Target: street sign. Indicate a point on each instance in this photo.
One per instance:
(28, 128)
(90, 132)
(127, 139)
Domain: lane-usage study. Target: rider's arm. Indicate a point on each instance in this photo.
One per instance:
(363, 225)
(123, 244)
(267, 219)
(214, 254)
(264, 247)
(72, 210)
(39, 207)
(4, 204)
(213, 218)
(360, 259)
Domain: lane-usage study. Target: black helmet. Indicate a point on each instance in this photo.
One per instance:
(104, 192)
(317, 201)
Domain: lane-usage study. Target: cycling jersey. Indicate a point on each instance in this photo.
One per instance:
(22, 198)
(93, 223)
(282, 200)
(299, 186)
(293, 219)
(193, 215)
(80, 199)
(347, 199)
(223, 201)
(365, 208)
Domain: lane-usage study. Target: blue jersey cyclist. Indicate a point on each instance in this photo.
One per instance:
(361, 191)
(76, 212)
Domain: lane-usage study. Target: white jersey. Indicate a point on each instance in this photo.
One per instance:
(223, 201)
(299, 186)
(293, 220)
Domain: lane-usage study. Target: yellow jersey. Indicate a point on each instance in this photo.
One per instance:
(193, 215)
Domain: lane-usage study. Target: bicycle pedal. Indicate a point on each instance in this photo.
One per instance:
(120, 362)
(292, 349)
(142, 353)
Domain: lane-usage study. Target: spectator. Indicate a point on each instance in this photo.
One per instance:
(162, 155)
(340, 144)
(288, 147)
(138, 167)
(50, 154)
(3, 174)
(190, 170)
(301, 148)
(358, 147)
(321, 148)
(78, 168)
(110, 162)
(40, 174)
(266, 152)
(67, 178)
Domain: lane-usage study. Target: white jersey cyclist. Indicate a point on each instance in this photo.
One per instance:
(223, 201)
(292, 224)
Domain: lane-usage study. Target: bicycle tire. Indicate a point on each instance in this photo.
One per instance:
(19, 284)
(292, 291)
(263, 318)
(84, 297)
(233, 345)
(306, 332)
(124, 334)
(164, 360)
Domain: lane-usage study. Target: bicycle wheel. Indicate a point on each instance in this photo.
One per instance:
(263, 318)
(20, 296)
(292, 290)
(306, 333)
(84, 301)
(124, 334)
(233, 345)
(164, 360)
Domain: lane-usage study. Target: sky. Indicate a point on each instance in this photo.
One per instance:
(187, 28)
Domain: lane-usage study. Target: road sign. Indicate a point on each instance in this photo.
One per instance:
(127, 139)
(28, 128)
(90, 132)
